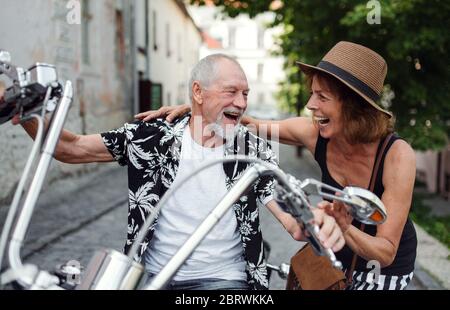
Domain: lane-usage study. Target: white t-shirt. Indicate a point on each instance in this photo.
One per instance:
(220, 254)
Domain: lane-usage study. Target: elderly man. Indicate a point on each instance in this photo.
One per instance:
(159, 153)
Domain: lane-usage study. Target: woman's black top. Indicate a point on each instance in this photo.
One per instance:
(406, 253)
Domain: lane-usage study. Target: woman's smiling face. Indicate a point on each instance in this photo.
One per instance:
(326, 108)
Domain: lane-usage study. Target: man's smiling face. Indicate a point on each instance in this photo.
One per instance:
(225, 100)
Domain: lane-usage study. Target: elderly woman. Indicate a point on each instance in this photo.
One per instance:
(345, 135)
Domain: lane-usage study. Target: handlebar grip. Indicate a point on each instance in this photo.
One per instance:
(319, 249)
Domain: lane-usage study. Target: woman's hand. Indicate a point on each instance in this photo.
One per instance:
(330, 234)
(339, 212)
(16, 118)
(170, 113)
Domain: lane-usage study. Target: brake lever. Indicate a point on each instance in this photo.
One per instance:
(318, 247)
(314, 187)
(29, 89)
(297, 204)
(6, 68)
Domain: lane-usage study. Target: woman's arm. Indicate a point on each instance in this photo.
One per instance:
(294, 131)
(398, 180)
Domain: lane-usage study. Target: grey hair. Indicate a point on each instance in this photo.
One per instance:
(206, 69)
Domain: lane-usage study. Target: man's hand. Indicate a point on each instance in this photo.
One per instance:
(16, 119)
(170, 113)
(330, 234)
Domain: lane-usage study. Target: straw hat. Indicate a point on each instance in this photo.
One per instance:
(356, 66)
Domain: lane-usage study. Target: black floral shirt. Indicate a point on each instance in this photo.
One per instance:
(151, 151)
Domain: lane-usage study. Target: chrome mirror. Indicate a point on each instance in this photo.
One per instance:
(364, 205)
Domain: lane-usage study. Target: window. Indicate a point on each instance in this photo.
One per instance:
(181, 94)
(85, 29)
(180, 56)
(156, 96)
(260, 72)
(261, 99)
(168, 48)
(169, 99)
(147, 28)
(155, 30)
(260, 37)
(232, 37)
(120, 42)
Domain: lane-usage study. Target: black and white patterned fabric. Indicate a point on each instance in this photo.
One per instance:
(370, 282)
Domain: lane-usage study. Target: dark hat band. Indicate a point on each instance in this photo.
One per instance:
(349, 78)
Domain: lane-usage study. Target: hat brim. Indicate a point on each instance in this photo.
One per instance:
(308, 70)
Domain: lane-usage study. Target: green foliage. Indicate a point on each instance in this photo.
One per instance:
(437, 226)
(413, 37)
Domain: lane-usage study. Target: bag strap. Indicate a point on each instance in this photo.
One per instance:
(376, 167)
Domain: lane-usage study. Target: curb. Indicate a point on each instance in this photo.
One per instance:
(433, 261)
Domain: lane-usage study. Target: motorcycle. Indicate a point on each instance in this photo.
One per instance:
(36, 92)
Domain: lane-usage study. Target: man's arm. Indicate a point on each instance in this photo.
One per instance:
(71, 148)
(287, 220)
(75, 149)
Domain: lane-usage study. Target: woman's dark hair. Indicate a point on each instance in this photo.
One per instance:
(362, 122)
